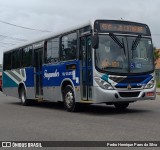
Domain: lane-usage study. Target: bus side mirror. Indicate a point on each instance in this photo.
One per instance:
(95, 41)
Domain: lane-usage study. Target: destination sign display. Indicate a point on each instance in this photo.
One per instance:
(121, 27)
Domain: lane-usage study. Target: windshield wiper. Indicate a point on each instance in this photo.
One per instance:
(118, 41)
(136, 42)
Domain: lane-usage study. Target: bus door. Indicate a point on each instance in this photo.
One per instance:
(86, 65)
(38, 55)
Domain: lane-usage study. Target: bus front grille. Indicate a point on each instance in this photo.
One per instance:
(126, 87)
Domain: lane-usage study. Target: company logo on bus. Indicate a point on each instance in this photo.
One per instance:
(129, 87)
(51, 75)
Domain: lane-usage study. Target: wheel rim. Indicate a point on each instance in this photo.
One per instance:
(23, 97)
(69, 99)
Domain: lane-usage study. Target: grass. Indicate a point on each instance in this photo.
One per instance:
(158, 84)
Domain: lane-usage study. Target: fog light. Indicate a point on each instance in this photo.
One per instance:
(150, 94)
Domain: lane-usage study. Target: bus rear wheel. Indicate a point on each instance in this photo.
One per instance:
(69, 99)
(24, 100)
(121, 105)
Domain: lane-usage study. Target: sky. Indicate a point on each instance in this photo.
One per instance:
(56, 15)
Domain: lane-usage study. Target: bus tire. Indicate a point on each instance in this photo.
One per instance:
(121, 105)
(23, 98)
(69, 99)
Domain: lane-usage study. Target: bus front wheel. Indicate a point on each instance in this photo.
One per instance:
(121, 105)
(69, 99)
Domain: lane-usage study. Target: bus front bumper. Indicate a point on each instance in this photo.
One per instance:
(104, 96)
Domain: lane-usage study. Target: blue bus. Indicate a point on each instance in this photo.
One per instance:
(101, 61)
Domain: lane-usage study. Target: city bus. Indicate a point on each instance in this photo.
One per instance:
(101, 61)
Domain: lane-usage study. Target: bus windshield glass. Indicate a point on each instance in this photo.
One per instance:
(124, 54)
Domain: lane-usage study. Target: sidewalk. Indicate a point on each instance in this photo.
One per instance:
(158, 91)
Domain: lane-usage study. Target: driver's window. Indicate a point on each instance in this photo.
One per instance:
(52, 50)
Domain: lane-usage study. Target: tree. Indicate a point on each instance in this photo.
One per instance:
(156, 54)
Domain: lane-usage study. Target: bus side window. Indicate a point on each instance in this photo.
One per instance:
(7, 61)
(52, 50)
(27, 56)
(16, 59)
(69, 47)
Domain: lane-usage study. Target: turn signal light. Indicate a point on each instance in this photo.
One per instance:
(150, 94)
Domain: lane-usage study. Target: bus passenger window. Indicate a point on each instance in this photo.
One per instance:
(16, 59)
(69, 47)
(7, 61)
(52, 50)
(27, 57)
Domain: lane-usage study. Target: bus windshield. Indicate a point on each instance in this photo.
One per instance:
(124, 54)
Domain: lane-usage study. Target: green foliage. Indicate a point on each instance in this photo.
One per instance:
(158, 85)
(156, 53)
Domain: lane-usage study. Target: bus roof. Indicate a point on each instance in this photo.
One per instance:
(42, 38)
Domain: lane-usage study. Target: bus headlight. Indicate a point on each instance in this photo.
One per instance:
(103, 84)
(150, 84)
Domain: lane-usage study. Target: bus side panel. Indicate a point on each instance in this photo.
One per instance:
(55, 74)
(13, 78)
(11, 92)
(29, 83)
(52, 93)
(10, 85)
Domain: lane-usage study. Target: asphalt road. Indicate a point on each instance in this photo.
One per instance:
(49, 121)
